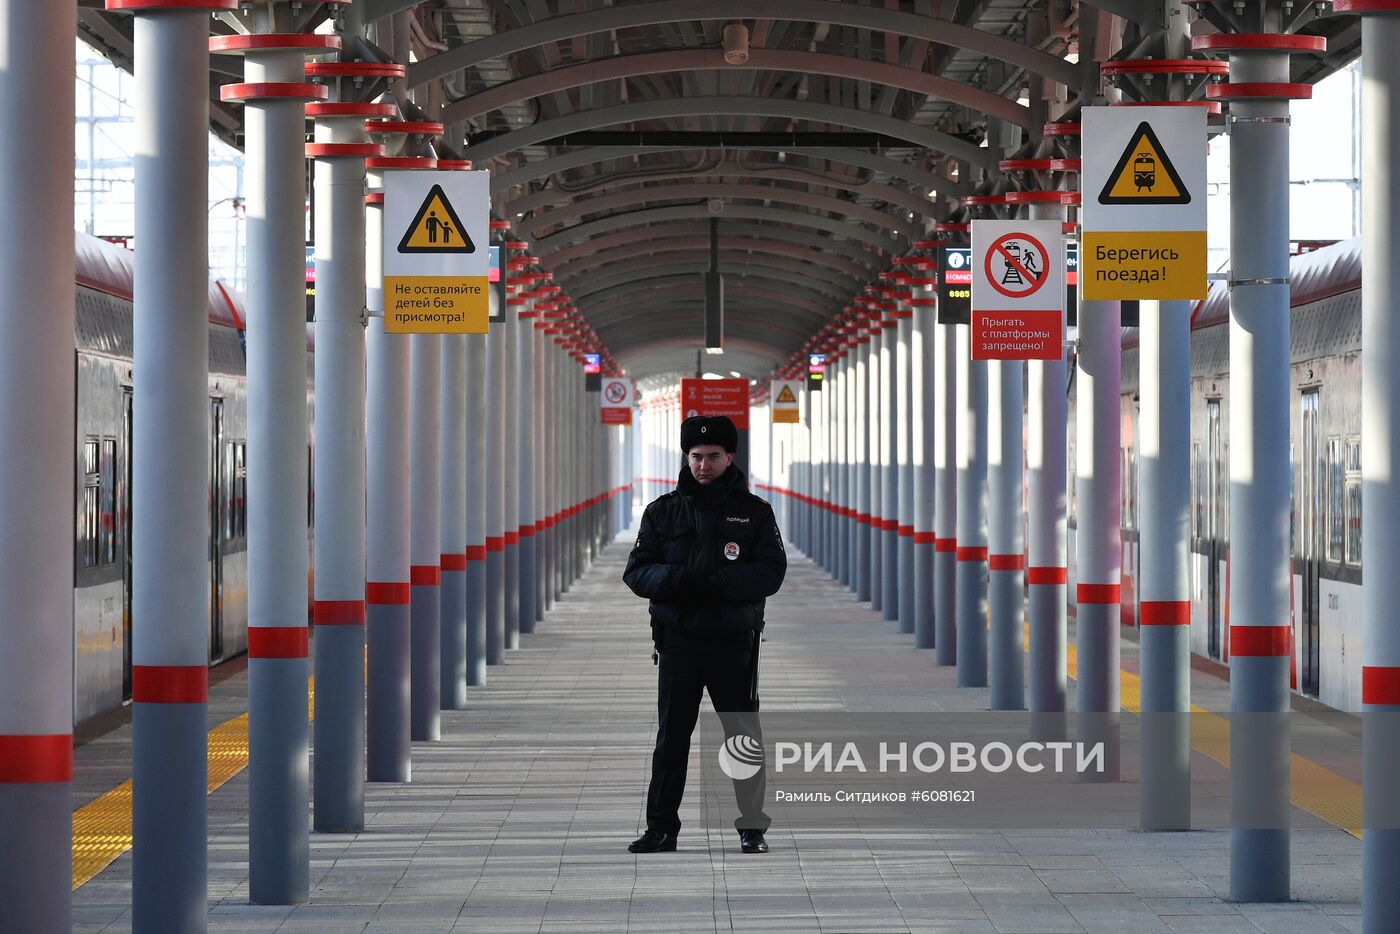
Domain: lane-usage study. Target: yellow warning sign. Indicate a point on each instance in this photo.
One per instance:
(1144, 174)
(786, 417)
(786, 397)
(436, 228)
(436, 304)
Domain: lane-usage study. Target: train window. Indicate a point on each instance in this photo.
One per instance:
(226, 480)
(240, 488)
(1198, 491)
(1353, 500)
(92, 491)
(1336, 521)
(109, 501)
(1222, 522)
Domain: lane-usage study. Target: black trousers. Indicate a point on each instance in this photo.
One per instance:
(723, 669)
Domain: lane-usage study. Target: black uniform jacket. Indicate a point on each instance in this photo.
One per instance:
(726, 536)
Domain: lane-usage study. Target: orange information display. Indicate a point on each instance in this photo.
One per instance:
(716, 397)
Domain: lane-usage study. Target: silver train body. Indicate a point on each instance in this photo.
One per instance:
(102, 434)
(1325, 420)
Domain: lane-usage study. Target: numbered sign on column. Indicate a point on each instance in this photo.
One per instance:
(785, 405)
(617, 401)
(1018, 291)
(437, 258)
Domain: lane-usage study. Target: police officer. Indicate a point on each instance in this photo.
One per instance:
(707, 556)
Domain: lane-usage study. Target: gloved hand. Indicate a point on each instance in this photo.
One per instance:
(694, 587)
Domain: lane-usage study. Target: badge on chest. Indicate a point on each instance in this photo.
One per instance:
(731, 550)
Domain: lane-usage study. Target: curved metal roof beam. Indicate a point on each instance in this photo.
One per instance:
(774, 343)
(674, 357)
(691, 59)
(730, 248)
(596, 155)
(879, 220)
(822, 287)
(733, 105)
(812, 313)
(860, 16)
(887, 193)
(543, 246)
(628, 239)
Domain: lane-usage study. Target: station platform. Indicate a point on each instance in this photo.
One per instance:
(518, 819)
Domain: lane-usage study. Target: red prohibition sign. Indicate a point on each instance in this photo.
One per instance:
(616, 392)
(1028, 273)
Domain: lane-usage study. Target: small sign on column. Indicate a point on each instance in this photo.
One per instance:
(618, 396)
(1018, 291)
(785, 406)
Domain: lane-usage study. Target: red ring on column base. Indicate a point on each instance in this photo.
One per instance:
(945, 545)
(1261, 641)
(971, 553)
(339, 612)
(1051, 576)
(387, 593)
(1380, 684)
(924, 538)
(1006, 562)
(424, 575)
(277, 641)
(169, 684)
(1164, 613)
(476, 553)
(36, 758)
(1098, 593)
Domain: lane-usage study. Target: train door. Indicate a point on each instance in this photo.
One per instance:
(216, 556)
(1216, 473)
(1312, 478)
(124, 524)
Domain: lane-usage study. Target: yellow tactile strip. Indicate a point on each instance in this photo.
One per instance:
(102, 827)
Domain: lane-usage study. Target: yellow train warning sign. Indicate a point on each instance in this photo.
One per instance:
(786, 396)
(1144, 174)
(436, 228)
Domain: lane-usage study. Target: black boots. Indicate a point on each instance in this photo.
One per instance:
(751, 841)
(654, 841)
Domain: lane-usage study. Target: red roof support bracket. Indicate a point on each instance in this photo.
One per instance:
(272, 90)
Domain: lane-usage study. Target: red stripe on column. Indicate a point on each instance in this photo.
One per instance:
(35, 758)
(891, 525)
(454, 562)
(1006, 562)
(863, 518)
(476, 552)
(1164, 613)
(1270, 641)
(925, 538)
(945, 544)
(277, 641)
(1047, 575)
(169, 684)
(971, 553)
(527, 531)
(339, 612)
(424, 575)
(512, 538)
(494, 543)
(1098, 593)
(1380, 684)
(905, 531)
(386, 594)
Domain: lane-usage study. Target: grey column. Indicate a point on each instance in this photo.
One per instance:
(877, 395)
(425, 544)
(339, 483)
(37, 458)
(452, 495)
(278, 843)
(387, 587)
(971, 460)
(923, 440)
(475, 468)
(904, 455)
(945, 510)
(1380, 460)
(1006, 560)
(526, 458)
(493, 450)
(510, 474)
(1259, 482)
(859, 459)
(891, 415)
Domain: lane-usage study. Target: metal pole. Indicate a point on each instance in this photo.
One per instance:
(526, 466)
(945, 510)
(876, 424)
(37, 457)
(339, 483)
(549, 468)
(1259, 483)
(510, 473)
(452, 494)
(425, 543)
(279, 858)
(923, 440)
(1380, 500)
(170, 423)
(859, 451)
(1006, 559)
(971, 460)
(891, 415)
(904, 494)
(475, 469)
(387, 588)
(836, 437)
(493, 451)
